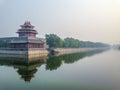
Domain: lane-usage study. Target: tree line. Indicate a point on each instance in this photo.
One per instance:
(55, 41)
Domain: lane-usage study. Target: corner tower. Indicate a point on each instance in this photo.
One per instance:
(27, 30)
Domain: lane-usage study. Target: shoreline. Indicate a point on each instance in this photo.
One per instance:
(61, 51)
(45, 52)
(34, 55)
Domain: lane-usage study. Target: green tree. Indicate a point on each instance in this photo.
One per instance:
(53, 40)
(71, 43)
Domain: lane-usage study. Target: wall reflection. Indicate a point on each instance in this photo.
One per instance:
(27, 70)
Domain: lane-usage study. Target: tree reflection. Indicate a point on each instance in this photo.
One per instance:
(55, 62)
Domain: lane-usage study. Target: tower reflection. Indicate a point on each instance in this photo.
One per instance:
(26, 70)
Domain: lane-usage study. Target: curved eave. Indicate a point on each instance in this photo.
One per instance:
(26, 29)
(27, 32)
(25, 42)
(27, 25)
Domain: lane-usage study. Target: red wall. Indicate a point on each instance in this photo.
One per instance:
(27, 35)
(27, 45)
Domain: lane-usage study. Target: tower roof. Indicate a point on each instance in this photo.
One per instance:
(27, 23)
(27, 30)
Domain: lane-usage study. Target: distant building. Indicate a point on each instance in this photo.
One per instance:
(27, 38)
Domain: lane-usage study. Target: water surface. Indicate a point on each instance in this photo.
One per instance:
(96, 70)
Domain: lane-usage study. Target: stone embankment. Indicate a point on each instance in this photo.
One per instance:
(44, 52)
(32, 55)
(61, 51)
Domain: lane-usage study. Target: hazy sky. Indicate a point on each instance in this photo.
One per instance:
(93, 20)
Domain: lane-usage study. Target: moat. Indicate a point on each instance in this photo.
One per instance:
(94, 70)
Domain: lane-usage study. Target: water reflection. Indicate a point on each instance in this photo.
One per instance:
(28, 70)
(56, 61)
(25, 70)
